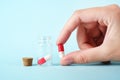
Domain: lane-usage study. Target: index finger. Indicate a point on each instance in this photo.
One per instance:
(68, 29)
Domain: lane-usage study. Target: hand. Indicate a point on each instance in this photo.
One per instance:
(98, 35)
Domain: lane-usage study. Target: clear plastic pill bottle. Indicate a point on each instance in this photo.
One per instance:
(45, 48)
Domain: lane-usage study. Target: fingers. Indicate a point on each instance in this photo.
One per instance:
(83, 39)
(87, 35)
(79, 17)
(85, 56)
(97, 14)
(69, 27)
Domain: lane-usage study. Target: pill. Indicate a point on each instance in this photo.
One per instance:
(60, 47)
(61, 50)
(44, 59)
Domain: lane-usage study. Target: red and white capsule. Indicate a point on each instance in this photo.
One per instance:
(61, 50)
(44, 59)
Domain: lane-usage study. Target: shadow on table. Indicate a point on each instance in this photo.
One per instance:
(94, 64)
(34, 64)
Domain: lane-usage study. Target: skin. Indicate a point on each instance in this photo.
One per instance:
(97, 35)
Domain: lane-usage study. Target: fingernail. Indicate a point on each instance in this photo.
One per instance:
(68, 61)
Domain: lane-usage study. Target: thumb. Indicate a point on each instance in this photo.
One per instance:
(84, 56)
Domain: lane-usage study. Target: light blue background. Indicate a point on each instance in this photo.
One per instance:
(23, 22)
